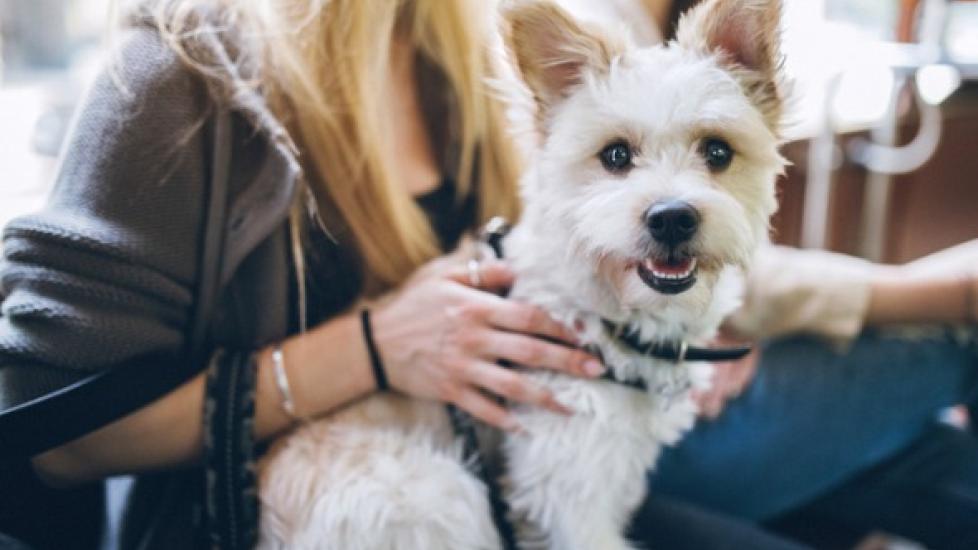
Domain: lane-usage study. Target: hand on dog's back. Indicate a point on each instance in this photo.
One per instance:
(440, 339)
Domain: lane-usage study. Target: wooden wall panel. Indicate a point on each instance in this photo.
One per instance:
(930, 209)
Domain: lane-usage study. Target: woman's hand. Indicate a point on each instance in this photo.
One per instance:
(730, 378)
(440, 338)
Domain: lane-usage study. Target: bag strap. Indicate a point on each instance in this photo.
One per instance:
(111, 394)
(212, 247)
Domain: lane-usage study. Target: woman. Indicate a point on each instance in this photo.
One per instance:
(371, 114)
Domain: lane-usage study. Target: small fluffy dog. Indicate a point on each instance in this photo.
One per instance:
(651, 188)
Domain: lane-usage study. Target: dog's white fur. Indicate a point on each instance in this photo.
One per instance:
(386, 473)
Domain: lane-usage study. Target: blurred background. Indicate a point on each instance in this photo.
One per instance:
(50, 51)
(883, 134)
(886, 128)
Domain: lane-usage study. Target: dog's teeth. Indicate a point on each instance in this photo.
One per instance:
(672, 276)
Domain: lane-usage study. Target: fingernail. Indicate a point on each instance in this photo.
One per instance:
(593, 368)
(513, 425)
(556, 406)
(563, 409)
(577, 332)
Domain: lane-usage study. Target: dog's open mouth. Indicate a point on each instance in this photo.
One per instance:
(668, 276)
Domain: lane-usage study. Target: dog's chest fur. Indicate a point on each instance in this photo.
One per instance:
(597, 456)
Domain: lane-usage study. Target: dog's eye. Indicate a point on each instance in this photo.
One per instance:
(718, 154)
(616, 157)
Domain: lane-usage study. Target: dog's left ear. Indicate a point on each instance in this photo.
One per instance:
(747, 37)
(554, 52)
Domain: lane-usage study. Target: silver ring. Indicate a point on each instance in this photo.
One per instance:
(475, 277)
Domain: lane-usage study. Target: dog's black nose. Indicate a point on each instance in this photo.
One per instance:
(672, 222)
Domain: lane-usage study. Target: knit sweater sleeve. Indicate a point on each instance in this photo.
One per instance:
(105, 272)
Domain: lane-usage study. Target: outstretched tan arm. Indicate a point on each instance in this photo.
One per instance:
(833, 295)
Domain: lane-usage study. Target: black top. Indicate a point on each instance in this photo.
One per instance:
(449, 217)
(334, 276)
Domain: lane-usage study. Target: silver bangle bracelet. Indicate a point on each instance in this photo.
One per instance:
(282, 381)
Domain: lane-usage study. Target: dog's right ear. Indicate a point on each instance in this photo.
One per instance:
(746, 35)
(553, 51)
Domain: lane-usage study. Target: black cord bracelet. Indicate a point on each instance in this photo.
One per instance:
(375, 362)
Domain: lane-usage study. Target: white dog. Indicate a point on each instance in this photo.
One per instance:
(650, 191)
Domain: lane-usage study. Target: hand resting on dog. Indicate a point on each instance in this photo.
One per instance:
(440, 339)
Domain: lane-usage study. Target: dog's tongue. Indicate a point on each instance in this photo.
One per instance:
(678, 267)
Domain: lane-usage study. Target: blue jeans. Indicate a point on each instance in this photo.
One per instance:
(852, 436)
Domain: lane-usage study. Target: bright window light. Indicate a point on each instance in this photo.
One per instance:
(936, 82)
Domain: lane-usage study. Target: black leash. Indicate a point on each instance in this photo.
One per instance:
(464, 427)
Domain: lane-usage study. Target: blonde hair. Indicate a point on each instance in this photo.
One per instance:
(322, 66)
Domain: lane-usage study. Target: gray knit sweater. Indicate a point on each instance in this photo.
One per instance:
(106, 273)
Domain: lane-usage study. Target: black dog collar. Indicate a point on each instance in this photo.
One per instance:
(671, 351)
